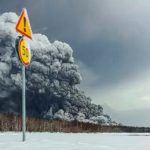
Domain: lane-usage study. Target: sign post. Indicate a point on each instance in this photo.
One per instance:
(24, 55)
(23, 104)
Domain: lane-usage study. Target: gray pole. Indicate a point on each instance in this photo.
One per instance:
(23, 104)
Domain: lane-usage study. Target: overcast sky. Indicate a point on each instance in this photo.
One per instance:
(111, 43)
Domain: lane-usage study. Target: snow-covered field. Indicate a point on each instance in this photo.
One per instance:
(70, 141)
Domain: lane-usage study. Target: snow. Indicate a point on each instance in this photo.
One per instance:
(78, 141)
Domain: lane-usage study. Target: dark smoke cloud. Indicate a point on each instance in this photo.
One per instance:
(51, 79)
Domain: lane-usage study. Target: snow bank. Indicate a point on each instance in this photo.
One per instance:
(61, 141)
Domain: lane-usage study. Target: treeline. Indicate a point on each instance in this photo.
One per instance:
(12, 122)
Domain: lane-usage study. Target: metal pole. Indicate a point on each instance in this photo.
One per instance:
(23, 104)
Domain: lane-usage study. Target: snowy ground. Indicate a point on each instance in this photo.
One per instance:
(70, 141)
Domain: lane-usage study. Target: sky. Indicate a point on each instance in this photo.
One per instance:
(111, 43)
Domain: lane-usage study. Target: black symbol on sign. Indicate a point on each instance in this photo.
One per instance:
(24, 24)
(25, 51)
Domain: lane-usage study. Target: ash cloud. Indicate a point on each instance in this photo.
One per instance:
(52, 79)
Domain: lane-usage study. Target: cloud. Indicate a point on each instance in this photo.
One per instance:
(129, 93)
(109, 38)
(128, 102)
(52, 79)
(133, 117)
(89, 77)
(112, 37)
(132, 93)
(53, 60)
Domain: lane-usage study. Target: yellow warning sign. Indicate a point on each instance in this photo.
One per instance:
(23, 24)
(24, 52)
